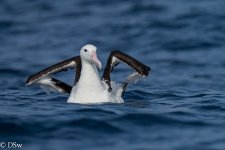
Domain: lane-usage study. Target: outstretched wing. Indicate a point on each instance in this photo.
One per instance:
(43, 78)
(115, 58)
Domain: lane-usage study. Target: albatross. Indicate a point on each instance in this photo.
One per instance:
(89, 87)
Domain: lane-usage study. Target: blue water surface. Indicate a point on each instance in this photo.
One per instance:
(180, 106)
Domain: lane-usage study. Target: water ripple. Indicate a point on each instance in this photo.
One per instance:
(149, 120)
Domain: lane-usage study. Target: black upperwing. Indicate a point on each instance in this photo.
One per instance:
(43, 78)
(115, 58)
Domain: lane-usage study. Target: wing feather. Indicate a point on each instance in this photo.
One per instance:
(115, 58)
(71, 63)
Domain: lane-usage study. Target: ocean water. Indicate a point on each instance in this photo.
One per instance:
(181, 105)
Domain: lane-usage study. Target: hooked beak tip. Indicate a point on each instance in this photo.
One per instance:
(99, 66)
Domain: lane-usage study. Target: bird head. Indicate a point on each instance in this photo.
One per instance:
(88, 54)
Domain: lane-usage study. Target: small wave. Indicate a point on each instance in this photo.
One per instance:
(197, 95)
(181, 63)
(44, 6)
(93, 124)
(136, 94)
(210, 108)
(75, 14)
(6, 24)
(151, 119)
(92, 110)
(166, 94)
(12, 127)
(193, 14)
(138, 8)
(189, 44)
(181, 113)
(42, 128)
(11, 71)
(168, 25)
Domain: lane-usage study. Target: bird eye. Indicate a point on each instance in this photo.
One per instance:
(85, 50)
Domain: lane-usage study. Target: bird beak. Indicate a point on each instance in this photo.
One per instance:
(94, 58)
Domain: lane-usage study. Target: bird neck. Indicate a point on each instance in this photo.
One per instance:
(89, 74)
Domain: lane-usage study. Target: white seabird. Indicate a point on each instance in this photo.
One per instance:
(89, 88)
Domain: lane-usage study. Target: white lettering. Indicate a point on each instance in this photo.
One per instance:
(14, 145)
(19, 145)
